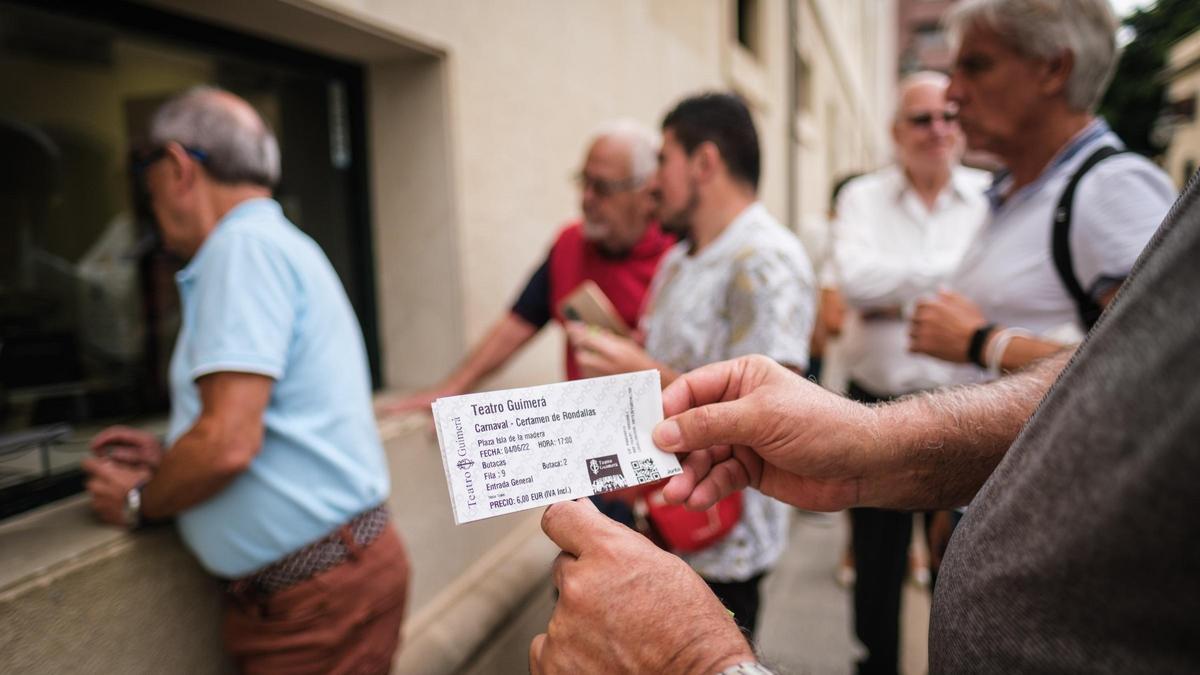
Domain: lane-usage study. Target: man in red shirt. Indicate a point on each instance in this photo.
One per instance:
(617, 245)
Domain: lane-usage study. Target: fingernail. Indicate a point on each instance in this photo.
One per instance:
(667, 434)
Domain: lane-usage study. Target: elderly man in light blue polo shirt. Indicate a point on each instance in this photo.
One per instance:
(273, 468)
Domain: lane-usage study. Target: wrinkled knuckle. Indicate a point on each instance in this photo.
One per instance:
(550, 517)
(554, 625)
(570, 589)
(604, 545)
(756, 360)
(703, 423)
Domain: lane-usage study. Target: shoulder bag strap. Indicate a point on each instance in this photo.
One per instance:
(1089, 310)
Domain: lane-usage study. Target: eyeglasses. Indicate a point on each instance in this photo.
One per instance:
(604, 188)
(926, 119)
(142, 165)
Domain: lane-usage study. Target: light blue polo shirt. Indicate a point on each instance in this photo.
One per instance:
(261, 297)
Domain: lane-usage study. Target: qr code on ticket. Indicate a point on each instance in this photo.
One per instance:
(644, 471)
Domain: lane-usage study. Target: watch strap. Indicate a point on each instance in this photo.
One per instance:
(978, 341)
(133, 506)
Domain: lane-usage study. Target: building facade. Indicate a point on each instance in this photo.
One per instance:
(1180, 118)
(921, 42)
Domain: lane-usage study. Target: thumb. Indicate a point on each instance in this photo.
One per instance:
(727, 423)
(572, 525)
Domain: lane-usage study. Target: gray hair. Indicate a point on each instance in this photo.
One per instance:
(915, 80)
(1043, 29)
(238, 145)
(642, 142)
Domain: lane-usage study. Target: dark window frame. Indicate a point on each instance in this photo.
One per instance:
(748, 25)
(155, 24)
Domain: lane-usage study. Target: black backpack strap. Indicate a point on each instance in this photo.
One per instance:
(1089, 310)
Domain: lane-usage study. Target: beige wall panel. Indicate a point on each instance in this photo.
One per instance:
(527, 84)
(419, 279)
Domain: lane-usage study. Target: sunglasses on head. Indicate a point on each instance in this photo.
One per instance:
(926, 119)
(148, 160)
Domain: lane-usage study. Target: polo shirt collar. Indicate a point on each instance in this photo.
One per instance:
(1094, 131)
(244, 210)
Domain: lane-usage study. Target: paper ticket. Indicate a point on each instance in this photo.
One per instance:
(507, 451)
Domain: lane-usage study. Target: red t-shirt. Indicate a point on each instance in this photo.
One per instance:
(624, 279)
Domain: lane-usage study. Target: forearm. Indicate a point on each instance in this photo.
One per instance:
(198, 466)
(874, 281)
(937, 449)
(502, 341)
(870, 273)
(1024, 350)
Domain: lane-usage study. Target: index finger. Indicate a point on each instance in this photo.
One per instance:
(411, 403)
(573, 525)
(576, 331)
(95, 465)
(602, 342)
(112, 435)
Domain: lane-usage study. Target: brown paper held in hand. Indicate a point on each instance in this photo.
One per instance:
(589, 304)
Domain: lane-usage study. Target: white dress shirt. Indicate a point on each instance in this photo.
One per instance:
(890, 250)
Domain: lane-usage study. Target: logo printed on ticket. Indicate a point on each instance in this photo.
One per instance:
(606, 474)
(506, 451)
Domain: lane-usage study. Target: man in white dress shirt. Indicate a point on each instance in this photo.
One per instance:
(900, 232)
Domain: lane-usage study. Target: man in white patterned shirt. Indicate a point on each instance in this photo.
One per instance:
(900, 232)
(740, 283)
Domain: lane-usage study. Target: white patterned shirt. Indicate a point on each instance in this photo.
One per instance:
(750, 291)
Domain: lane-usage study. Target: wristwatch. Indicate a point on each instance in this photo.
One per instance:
(133, 506)
(747, 668)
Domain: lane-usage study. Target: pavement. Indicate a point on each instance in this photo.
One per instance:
(806, 623)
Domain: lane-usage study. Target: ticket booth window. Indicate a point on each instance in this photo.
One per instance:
(88, 305)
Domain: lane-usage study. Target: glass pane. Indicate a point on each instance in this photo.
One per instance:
(88, 305)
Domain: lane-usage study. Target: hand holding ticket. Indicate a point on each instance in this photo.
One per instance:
(507, 451)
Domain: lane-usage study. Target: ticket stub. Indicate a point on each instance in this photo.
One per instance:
(507, 451)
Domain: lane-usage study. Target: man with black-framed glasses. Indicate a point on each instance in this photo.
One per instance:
(617, 244)
(899, 233)
(272, 467)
